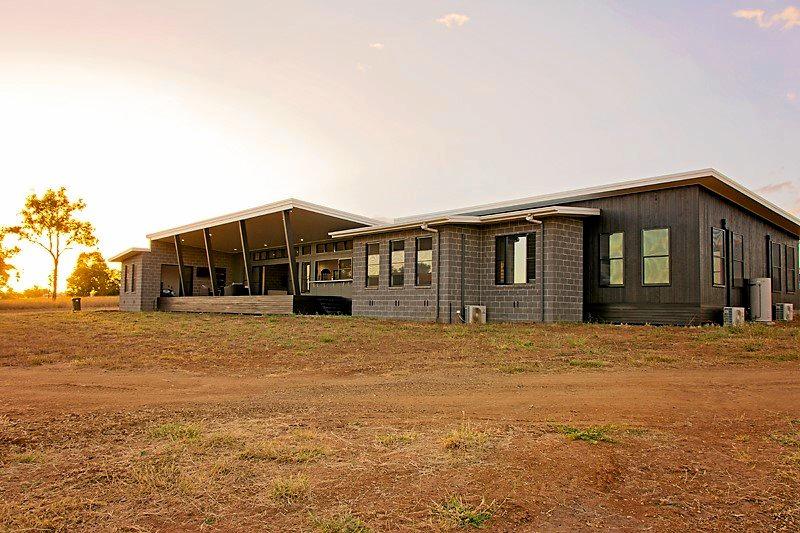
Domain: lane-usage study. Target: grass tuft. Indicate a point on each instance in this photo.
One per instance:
(455, 512)
(343, 521)
(395, 439)
(290, 489)
(591, 434)
(176, 431)
(465, 438)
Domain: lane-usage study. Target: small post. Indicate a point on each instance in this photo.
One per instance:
(288, 234)
(179, 255)
(245, 255)
(210, 260)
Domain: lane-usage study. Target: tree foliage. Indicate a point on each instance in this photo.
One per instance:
(93, 277)
(5, 255)
(49, 222)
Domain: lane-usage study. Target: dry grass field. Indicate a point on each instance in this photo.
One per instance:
(61, 303)
(169, 422)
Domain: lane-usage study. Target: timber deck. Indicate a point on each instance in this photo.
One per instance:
(242, 305)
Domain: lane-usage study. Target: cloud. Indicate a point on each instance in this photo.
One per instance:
(453, 19)
(791, 96)
(786, 19)
(784, 193)
(376, 46)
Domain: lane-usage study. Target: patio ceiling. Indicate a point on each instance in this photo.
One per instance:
(263, 231)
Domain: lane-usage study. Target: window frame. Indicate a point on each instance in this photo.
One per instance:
(791, 272)
(609, 259)
(668, 256)
(723, 256)
(417, 261)
(530, 273)
(366, 265)
(773, 267)
(735, 261)
(402, 283)
(125, 278)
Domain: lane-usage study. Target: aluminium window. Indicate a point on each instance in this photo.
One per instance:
(373, 264)
(424, 263)
(791, 268)
(737, 259)
(125, 277)
(612, 259)
(397, 263)
(515, 259)
(655, 257)
(777, 267)
(133, 277)
(334, 269)
(718, 274)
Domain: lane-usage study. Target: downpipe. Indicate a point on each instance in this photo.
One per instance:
(424, 227)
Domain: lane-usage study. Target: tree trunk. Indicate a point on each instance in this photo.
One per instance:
(55, 278)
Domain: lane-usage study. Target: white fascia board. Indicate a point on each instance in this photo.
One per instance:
(542, 212)
(591, 192)
(267, 209)
(130, 252)
(467, 219)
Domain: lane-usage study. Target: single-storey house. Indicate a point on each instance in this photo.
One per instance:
(665, 250)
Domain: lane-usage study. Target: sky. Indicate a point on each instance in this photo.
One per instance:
(159, 113)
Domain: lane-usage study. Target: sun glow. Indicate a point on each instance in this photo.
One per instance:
(122, 142)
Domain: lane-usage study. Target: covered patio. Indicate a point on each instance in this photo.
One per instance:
(274, 259)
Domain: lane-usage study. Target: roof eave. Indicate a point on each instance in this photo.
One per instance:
(540, 212)
(127, 254)
(267, 209)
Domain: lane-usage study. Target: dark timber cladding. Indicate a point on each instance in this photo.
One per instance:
(690, 212)
(755, 234)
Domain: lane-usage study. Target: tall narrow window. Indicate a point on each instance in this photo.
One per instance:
(655, 257)
(373, 264)
(737, 259)
(612, 259)
(718, 257)
(133, 277)
(424, 266)
(791, 268)
(397, 263)
(777, 268)
(125, 277)
(515, 259)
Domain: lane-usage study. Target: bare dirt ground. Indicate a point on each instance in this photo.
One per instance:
(158, 422)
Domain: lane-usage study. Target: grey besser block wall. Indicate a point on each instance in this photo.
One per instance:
(563, 269)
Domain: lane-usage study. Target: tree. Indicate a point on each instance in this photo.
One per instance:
(93, 277)
(5, 255)
(49, 222)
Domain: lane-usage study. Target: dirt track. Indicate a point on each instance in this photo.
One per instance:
(630, 397)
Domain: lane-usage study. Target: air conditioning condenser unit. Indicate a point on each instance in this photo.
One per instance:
(733, 316)
(476, 314)
(783, 312)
